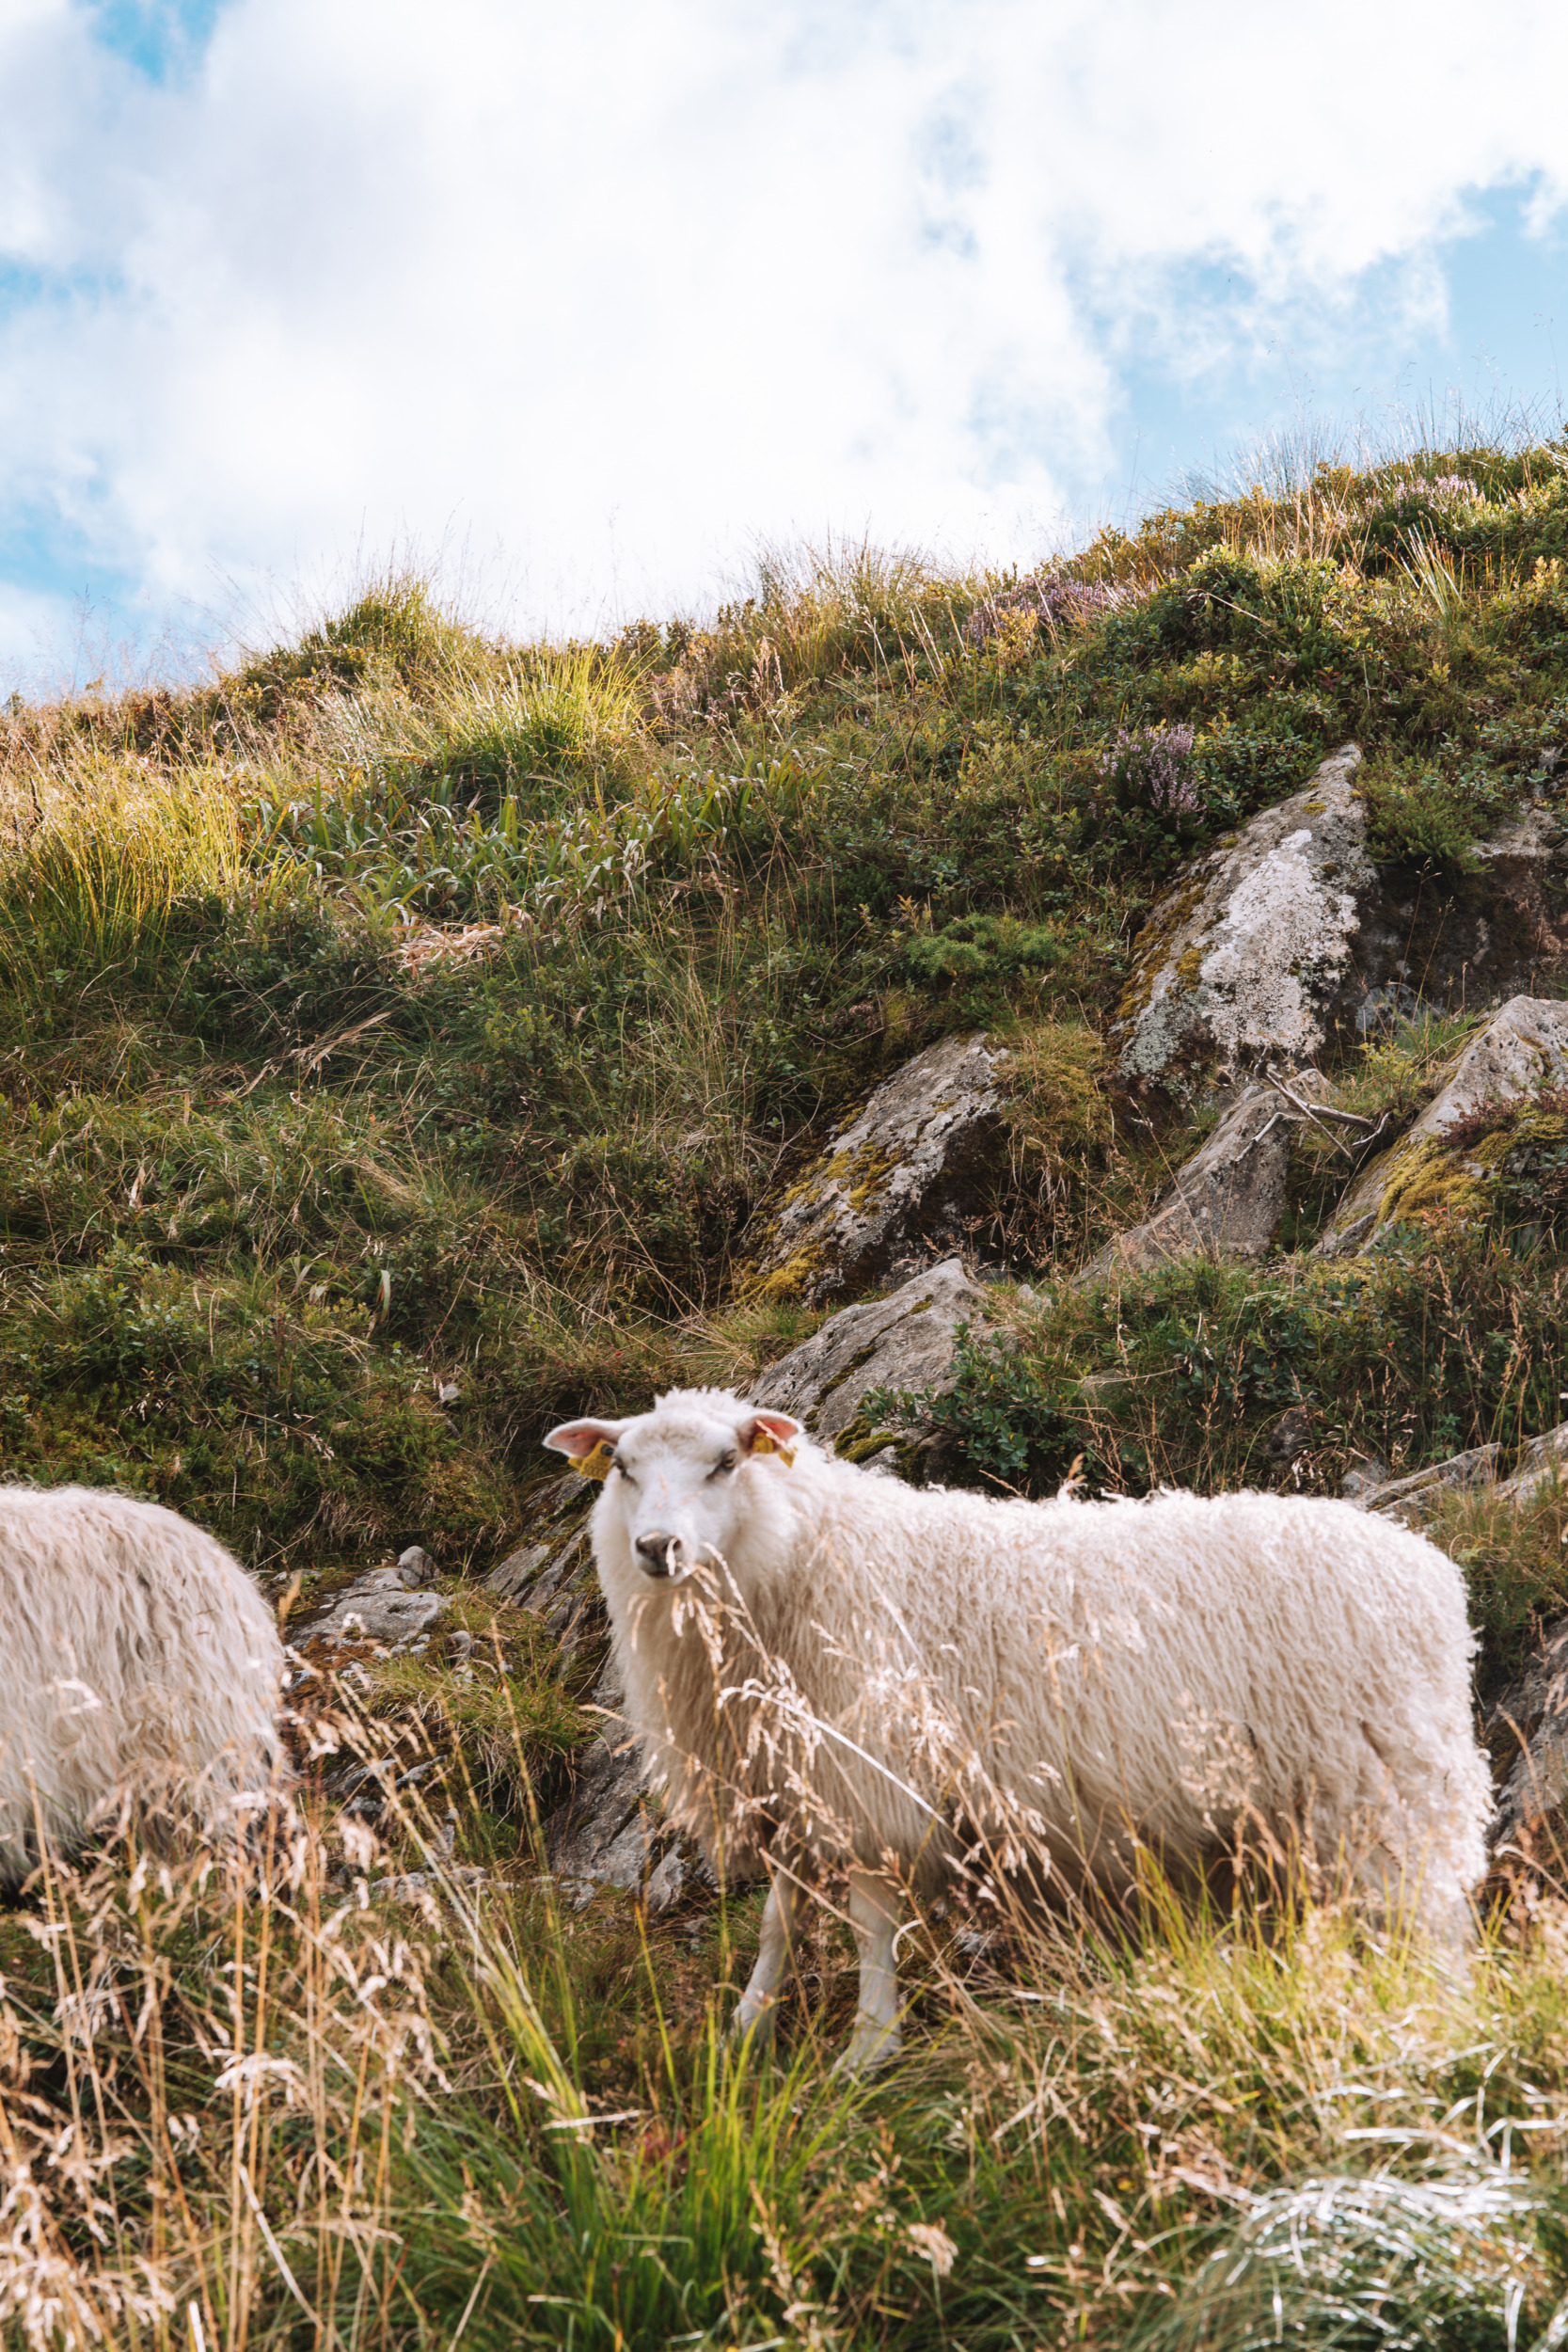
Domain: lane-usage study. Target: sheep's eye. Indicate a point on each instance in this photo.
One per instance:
(725, 1463)
(625, 1474)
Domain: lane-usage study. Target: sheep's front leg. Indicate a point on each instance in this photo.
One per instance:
(875, 1910)
(759, 2002)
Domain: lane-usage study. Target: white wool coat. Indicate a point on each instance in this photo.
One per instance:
(878, 1665)
(140, 1662)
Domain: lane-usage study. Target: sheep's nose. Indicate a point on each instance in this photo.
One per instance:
(653, 1551)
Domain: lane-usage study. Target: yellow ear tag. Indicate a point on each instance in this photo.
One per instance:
(765, 1442)
(596, 1463)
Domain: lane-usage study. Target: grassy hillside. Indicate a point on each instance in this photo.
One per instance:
(396, 1037)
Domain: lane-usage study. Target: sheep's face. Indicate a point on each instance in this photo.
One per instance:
(678, 1476)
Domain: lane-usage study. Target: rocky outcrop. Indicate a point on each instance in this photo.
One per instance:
(1540, 1462)
(552, 1572)
(1288, 938)
(608, 1833)
(1522, 1049)
(386, 1605)
(1413, 1499)
(1526, 1732)
(895, 1183)
(1228, 1199)
(906, 1340)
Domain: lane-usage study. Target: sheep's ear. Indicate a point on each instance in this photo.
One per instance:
(769, 1433)
(588, 1445)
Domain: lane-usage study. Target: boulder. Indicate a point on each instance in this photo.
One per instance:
(896, 1181)
(1526, 1732)
(1286, 938)
(1522, 1049)
(1541, 1462)
(1228, 1199)
(1413, 1499)
(906, 1340)
(378, 1607)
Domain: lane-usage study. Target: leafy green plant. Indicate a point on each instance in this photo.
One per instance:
(976, 952)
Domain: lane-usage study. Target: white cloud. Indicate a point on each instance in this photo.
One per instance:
(615, 286)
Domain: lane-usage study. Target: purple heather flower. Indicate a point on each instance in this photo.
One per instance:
(1051, 596)
(1158, 761)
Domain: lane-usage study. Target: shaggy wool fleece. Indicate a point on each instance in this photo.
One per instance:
(873, 1670)
(141, 1665)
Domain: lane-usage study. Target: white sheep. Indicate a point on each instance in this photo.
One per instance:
(835, 1673)
(140, 1663)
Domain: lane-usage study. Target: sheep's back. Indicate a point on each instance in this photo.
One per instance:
(1166, 1662)
(140, 1657)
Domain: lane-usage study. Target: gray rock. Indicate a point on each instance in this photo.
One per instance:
(1524, 1046)
(1344, 1241)
(666, 1880)
(414, 1565)
(1287, 936)
(378, 1607)
(424, 1886)
(907, 1340)
(552, 1573)
(1248, 952)
(1228, 1199)
(1530, 1727)
(1364, 1477)
(1542, 1462)
(606, 1834)
(1413, 1499)
(894, 1180)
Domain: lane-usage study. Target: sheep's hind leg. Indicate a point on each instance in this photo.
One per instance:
(875, 1910)
(760, 2001)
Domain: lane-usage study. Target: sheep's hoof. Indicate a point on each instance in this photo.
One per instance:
(872, 2044)
(753, 2025)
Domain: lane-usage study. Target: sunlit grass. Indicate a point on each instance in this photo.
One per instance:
(310, 2090)
(110, 847)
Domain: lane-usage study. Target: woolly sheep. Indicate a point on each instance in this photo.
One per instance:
(140, 1663)
(835, 1673)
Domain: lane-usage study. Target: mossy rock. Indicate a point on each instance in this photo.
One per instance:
(902, 1175)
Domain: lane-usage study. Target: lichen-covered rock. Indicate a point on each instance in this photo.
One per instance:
(904, 1340)
(1287, 937)
(1228, 1199)
(894, 1180)
(1442, 1161)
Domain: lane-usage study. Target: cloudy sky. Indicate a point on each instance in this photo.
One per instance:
(592, 297)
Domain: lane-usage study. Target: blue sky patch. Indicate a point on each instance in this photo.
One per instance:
(164, 40)
(1503, 351)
